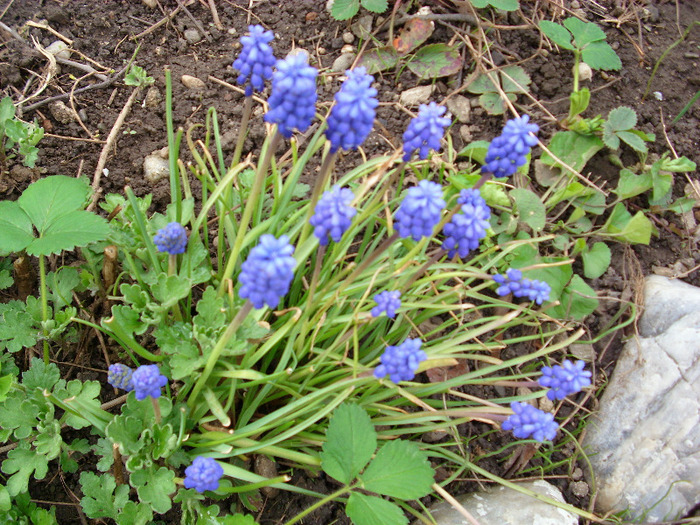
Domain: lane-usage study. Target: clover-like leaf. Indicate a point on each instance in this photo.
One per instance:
(154, 487)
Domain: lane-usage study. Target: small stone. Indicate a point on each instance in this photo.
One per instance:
(266, 468)
(343, 62)
(348, 37)
(363, 27)
(460, 107)
(59, 49)
(577, 474)
(193, 82)
(583, 351)
(466, 133)
(83, 115)
(585, 73)
(232, 31)
(150, 3)
(153, 98)
(546, 404)
(311, 16)
(433, 436)
(691, 55)
(192, 36)
(155, 168)
(579, 488)
(348, 49)
(61, 112)
(575, 4)
(321, 50)
(417, 95)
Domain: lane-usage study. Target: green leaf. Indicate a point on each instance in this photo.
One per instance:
(210, 310)
(21, 463)
(345, 9)
(6, 279)
(5, 500)
(679, 165)
(61, 283)
(169, 289)
(621, 118)
(71, 230)
(505, 5)
(514, 79)
(661, 183)
(125, 431)
(578, 102)
(103, 449)
(81, 396)
(154, 487)
(436, 60)
(7, 111)
(40, 375)
(493, 103)
(102, 498)
(47, 199)
(375, 6)
(584, 32)
(17, 329)
(630, 184)
(599, 55)
(572, 148)
(596, 260)
(557, 34)
(350, 443)
(624, 227)
(135, 514)
(577, 301)
(530, 209)
(371, 510)
(633, 140)
(16, 228)
(401, 470)
(557, 277)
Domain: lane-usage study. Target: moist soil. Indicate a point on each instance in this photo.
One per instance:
(107, 34)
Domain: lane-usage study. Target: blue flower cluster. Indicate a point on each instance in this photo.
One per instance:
(333, 214)
(468, 227)
(387, 302)
(420, 210)
(293, 98)
(172, 239)
(119, 376)
(352, 117)
(565, 379)
(425, 131)
(256, 59)
(401, 362)
(528, 421)
(514, 282)
(203, 474)
(268, 272)
(509, 151)
(147, 382)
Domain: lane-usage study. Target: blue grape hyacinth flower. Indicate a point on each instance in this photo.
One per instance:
(468, 227)
(425, 131)
(256, 59)
(172, 239)
(528, 421)
(401, 362)
(119, 376)
(352, 117)
(147, 382)
(203, 474)
(268, 271)
(333, 214)
(509, 151)
(420, 210)
(293, 98)
(387, 302)
(514, 282)
(565, 379)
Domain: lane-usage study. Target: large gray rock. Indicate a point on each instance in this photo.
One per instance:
(644, 444)
(505, 506)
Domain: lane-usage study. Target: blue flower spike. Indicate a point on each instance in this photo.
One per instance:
(514, 282)
(268, 271)
(293, 98)
(172, 239)
(420, 210)
(147, 382)
(401, 362)
(387, 302)
(203, 474)
(333, 214)
(468, 227)
(425, 131)
(119, 376)
(565, 379)
(509, 151)
(256, 59)
(530, 422)
(352, 117)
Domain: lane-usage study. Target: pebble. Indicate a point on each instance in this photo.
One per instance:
(585, 73)
(343, 62)
(61, 112)
(155, 168)
(583, 351)
(153, 98)
(59, 49)
(466, 133)
(83, 115)
(348, 49)
(193, 82)
(417, 95)
(150, 3)
(348, 37)
(232, 31)
(266, 468)
(577, 474)
(579, 488)
(192, 36)
(363, 27)
(460, 108)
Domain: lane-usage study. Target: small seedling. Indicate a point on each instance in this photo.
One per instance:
(138, 77)
(15, 134)
(620, 126)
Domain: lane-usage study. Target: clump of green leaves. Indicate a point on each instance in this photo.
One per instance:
(620, 127)
(137, 77)
(346, 9)
(16, 135)
(511, 80)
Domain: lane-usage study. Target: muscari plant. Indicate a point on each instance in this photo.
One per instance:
(317, 301)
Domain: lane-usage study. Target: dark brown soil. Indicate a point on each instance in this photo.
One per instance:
(103, 31)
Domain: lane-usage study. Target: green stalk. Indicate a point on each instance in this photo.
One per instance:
(318, 504)
(326, 168)
(242, 132)
(156, 409)
(173, 147)
(44, 305)
(577, 61)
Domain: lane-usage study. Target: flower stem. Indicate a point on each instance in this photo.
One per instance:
(44, 305)
(243, 131)
(156, 409)
(321, 180)
(172, 270)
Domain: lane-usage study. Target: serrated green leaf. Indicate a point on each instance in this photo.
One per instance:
(596, 260)
(375, 6)
(61, 283)
(610, 138)
(572, 148)
(47, 199)
(483, 84)
(557, 34)
(577, 301)
(135, 514)
(19, 415)
(48, 441)
(154, 487)
(5, 500)
(71, 230)
(102, 498)
(21, 463)
(17, 329)
(6, 279)
(632, 140)
(679, 165)
(41, 375)
(599, 55)
(7, 111)
(210, 310)
(621, 118)
(345, 9)
(493, 103)
(350, 443)
(370, 510)
(584, 32)
(125, 431)
(169, 289)
(401, 470)
(83, 397)
(103, 449)
(435, 61)
(630, 184)
(15, 228)
(530, 209)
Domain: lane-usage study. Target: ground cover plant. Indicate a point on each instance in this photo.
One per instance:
(327, 326)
